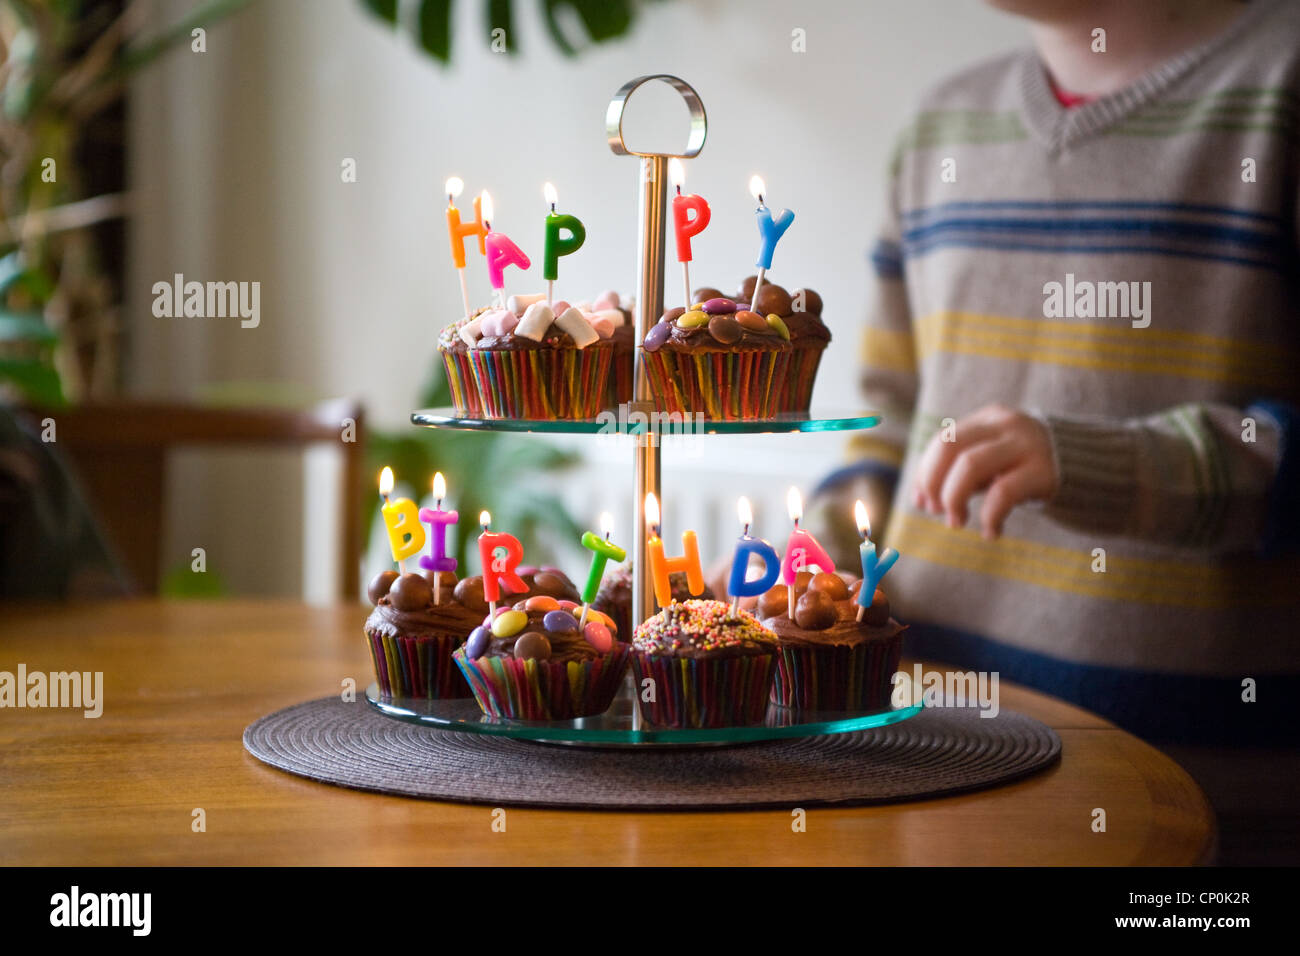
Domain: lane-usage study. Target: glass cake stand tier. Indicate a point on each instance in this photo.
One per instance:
(620, 727)
(614, 423)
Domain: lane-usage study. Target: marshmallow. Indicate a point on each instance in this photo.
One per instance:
(582, 306)
(604, 328)
(518, 304)
(613, 316)
(499, 322)
(559, 308)
(606, 300)
(469, 332)
(537, 319)
(628, 303)
(578, 327)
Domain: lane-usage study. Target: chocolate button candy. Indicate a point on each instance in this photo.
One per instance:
(560, 622)
(692, 319)
(509, 623)
(379, 585)
(469, 592)
(598, 636)
(810, 301)
(746, 290)
(772, 602)
(719, 306)
(672, 315)
(410, 592)
(815, 611)
(832, 584)
(478, 642)
(753, 322)
(448, 579)
(703, 295)
(725, 329)
(878, 614)
(543, 602)
(548, 582)
(532, 646)
(657, 336)
(772, 299)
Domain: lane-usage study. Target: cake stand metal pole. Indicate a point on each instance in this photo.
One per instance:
(653, 188)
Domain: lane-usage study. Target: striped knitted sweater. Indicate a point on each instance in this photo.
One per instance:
(1127, 271)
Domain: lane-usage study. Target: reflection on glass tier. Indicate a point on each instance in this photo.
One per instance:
(631, 423)
(617, 726)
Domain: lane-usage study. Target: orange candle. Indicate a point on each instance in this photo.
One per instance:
(662, 566)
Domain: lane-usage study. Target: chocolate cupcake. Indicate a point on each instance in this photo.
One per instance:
(829, 661)
(460, 373)
(411, 636)
(536, 661)
(710, 667)
(802, 313)
(717, 358)
(532, 360)
(615, 597)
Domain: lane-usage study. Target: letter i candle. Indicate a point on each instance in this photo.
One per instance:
(874, 566)
(437, 560)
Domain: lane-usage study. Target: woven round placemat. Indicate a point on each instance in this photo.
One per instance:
(939, 751)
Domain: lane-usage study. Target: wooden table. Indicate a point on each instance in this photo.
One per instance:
(183, 680)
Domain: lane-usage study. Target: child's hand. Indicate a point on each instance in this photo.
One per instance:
(996, 448)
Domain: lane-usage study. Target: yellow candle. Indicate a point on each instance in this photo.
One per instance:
(401, 520)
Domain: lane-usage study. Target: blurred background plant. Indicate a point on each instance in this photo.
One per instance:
(429, 22)
(64, 66)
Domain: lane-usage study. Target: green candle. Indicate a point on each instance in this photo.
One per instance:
(602, 551)
(556, 246)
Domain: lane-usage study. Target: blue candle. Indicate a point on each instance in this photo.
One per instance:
(874, 566)
(769, 229)
(748, 545)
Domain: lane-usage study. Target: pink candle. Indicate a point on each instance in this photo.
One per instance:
(501, 252)
(802, 551)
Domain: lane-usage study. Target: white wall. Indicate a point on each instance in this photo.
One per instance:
(236, 164)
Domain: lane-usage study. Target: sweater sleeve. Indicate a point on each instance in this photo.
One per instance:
(1201, 475)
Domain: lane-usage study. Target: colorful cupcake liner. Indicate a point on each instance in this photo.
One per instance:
(704, 692)
(417, 667)
(541, 383)
(622, 378)
(544, 690)
(460, 379)
(830, 678)
(723, 385)
(794, 391)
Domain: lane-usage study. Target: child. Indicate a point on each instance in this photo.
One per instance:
(1086, 346)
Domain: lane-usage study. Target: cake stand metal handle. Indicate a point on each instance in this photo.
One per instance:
(653, 191)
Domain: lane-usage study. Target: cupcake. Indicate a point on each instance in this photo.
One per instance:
(622, 369)
(717, 358)
(802, 313)
(532, 360)
(710, 667)
(411, 637)
(615, 597)
(460, 373)
(536, 661)
(829, 661)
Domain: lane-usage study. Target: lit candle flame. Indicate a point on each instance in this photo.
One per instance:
(794, 504)
(652, 511)
(439, 486)
(757, 188)
(606, 523)
(551, 196)
(676, 172)
(864, 522)
(745, 512)
(485, 519)
(485, 206)
(455, 186)
(386, 481)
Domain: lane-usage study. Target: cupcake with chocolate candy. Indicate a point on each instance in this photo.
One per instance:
(411, 636)
(830, 661)
(615, 597)
(801, 311)
(717, 358)
(711, 667)
(538, 660)
(533, 360)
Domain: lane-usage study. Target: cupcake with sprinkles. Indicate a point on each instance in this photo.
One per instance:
(544, 659)
(711, 666)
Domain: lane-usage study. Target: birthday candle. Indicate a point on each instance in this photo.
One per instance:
(500, 554)
(874, 567)
(684, 225)
(769, 230)
(501, 252)
(801, 551)
(661, 567)
(459, 232)
(437, 560)
(739, 585)
(401, 520)
(602, 550)
(556, 246)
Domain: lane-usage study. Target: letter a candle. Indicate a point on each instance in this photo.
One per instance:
(801, 551)
(501, 252)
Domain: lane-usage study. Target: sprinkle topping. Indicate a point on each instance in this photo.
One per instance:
(701, 626)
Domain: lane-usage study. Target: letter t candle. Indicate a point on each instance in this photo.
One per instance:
(602, 552)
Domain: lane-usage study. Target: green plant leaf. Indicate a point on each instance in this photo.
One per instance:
(501, 17)
(36, 380)
(384, 9)
(602, 19)
(25, 327)
(435, 28)
(204, 15)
